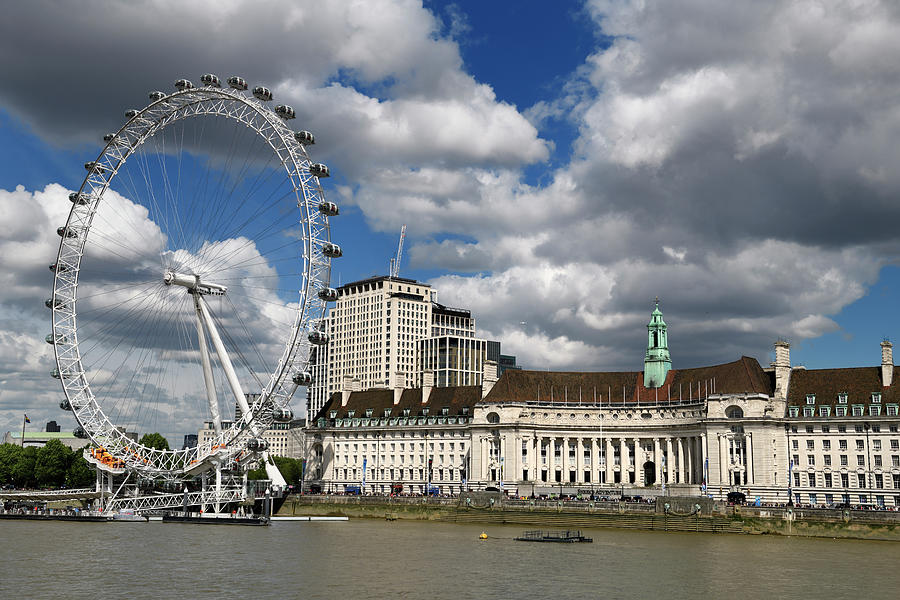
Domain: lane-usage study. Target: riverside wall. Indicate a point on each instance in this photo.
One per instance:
(663, 514)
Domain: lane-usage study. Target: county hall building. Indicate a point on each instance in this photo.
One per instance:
(815, 437)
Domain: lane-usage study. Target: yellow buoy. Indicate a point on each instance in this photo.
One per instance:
(483, 536)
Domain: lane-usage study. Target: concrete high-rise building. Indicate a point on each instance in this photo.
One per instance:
(374, 329)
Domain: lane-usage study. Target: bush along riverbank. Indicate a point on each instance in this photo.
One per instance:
(663, 514)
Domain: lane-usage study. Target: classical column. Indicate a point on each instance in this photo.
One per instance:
(485, 469)
(657, 461)
(690, 460)
(579, 459)
(564, 457)
(748, 440)
(608, 463)
(669, 460)
(681, 477)
(704, 456)
(623, 460)
(723, 458)
(638, 470)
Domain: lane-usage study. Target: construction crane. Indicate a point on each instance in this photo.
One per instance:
(395, 262)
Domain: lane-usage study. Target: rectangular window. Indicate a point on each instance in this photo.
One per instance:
(794, 411)
(824, 411)
(825, 428)
(861, 480)
(879, 480)
(845, 482)
(827, 477)
(827, 459)
(813, 499)
(860, 445)
(891, 410)
(842, 428)
(860, 460)
(876, 444)
(840, 411)
(826, 444)
(842, 444)
(857, 410)
(810, 398)
(810, 444)
(843, 460)
(811, 460)
(796, 479)
(876, 397)
(795, 444)
(874, 410)
(809, 411)
(842, 398)
(877, 458)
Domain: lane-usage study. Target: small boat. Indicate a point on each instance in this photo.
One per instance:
(559, 537)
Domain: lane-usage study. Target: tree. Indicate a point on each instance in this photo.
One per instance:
(79, 474)
(290, 469)
(154, 440)
(9, 456)
(23, 470)
(51, 462)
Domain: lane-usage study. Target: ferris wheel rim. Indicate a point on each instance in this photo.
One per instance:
(315, 231)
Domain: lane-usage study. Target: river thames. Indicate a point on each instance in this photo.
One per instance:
(409, 559)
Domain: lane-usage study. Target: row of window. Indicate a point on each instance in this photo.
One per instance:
(844, 480)
(829, 499)
(856, 410)
(842, 444)
(860, 460)
(874, 397)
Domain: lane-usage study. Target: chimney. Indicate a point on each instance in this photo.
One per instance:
(399, 377)
(489, 377)
(350, 384)
(427, 384)
(887, 363)
(782, 366)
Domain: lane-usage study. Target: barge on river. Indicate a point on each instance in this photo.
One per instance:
(559, 537)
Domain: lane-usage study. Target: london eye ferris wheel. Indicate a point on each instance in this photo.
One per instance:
(192, 278)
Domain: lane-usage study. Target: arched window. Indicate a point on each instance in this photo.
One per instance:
(734, 412)
(493, 418)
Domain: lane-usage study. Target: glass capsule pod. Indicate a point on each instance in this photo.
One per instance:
(319, 170)
(210, 80)
(302, 378)
(318, 338)
(79, 432)
(131, 113)
(257, 444)
(58, 268)
(51, 303)
(156, 95)
(305, 137)
(183, 84)
(94, 167)
(285, 112)
(79, 198)
(63, 232)
(283, 414)
(329, 209)
(262, 93)
(64, 404)
(237, 83)
(328, 294)
(332, 250)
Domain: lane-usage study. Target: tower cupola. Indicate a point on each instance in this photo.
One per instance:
(657, 362)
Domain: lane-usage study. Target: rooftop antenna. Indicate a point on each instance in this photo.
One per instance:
(395, 262)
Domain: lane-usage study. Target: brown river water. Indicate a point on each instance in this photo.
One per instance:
(408, 559)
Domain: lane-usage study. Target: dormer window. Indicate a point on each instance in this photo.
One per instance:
(465, 410)
(369, 413)
(405, 412)
(810, 398)
(876, 397)
(350, 414)
(332, 414)
(842, 398)
(425, 411)
(387, 412)
(445, 411)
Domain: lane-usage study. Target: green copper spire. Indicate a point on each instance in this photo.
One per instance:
(656, 362)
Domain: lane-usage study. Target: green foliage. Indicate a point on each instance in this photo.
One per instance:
(51, 463)
(154, 440)
(79, 474)
(291, 469)
(9, 456)
(23, 470)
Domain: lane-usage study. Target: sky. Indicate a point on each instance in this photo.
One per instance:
(557, 170)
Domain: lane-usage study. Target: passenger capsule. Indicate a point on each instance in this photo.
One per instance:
(58, 268)
(285, 112)
(262, 93)
(319, 170)
(79, 198)
(237, 83)
(328, 294)
(94, 167)
(51, 340)
(79, 432)
(332, 250)
(305, 138)
(156, 96)
(257, 444)
(51, 303)
(131, 113)
(283, 414)
(319, 338)
(329, 209)
(56, 374)
(65, 405)
(109, 137)
(302, 378)
(64, 232)
(210, 80)
(183, 84)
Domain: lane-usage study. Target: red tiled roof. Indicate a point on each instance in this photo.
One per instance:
(741, 376)
(858, 383)
(453, 398)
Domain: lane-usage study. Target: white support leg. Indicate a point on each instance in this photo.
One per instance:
(230, 374)
(207, 369)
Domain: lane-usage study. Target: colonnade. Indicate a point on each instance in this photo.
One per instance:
(736, 458)
(592, 459)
